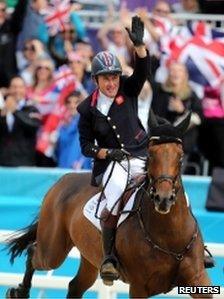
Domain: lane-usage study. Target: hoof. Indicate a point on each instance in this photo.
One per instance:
(108, 274)
(11, 293)
(16, 293)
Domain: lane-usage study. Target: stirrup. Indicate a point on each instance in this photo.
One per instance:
(208, 260)
(108, 271)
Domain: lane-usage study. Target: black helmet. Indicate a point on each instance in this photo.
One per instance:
(105, 63)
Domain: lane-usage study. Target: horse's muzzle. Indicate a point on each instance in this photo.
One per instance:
(163, 204)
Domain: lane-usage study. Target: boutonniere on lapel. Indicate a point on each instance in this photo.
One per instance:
(119, 100)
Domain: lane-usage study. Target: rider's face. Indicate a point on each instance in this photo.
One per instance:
(109, 84)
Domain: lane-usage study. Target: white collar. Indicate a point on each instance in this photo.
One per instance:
(103, 97)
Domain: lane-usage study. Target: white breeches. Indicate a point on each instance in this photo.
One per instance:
(118, 181)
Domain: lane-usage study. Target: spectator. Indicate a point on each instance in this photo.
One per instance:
(213, 126)
(9, 29)
(32, 51)
(64, 41)
(68, 151)
(33, 21)
(18, 126)
(112, 37)
(78, 66)
(174, 98)
(85, 49)
(44, 95)
(186, 6)
(158, 25)
(17, 89)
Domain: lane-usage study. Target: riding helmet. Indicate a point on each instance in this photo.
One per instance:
(105, 63)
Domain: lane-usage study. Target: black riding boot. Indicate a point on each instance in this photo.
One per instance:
(108, 271)
(209, 261)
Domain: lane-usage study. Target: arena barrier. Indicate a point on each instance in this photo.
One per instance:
(49, 281)
(21, 193)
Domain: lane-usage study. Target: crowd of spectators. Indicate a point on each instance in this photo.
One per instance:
(46, 72)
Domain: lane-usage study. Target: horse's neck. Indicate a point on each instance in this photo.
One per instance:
(169, 229)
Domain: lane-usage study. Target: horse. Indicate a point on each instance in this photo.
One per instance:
(159, 246)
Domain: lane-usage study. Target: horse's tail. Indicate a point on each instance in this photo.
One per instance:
(21, 240)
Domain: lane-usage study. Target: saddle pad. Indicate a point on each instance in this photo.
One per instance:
(91, 205)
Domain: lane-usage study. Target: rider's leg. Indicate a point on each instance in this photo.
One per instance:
(113, 192)
(209, 261)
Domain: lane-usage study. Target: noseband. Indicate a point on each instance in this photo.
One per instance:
(163, 178)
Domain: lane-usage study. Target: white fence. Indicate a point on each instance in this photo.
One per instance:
(94, 18)
(49, 281)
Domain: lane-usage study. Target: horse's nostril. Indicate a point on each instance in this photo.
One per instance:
(157, 198)
(171, 198)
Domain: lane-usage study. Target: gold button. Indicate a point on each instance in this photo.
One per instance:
(122, 145)
(118, 136)
(108, 118)
(114, 127)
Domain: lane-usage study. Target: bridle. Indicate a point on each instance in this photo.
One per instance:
(164, 177)
(178, 256)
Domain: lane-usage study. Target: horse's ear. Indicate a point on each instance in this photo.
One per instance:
(183, 123)
(152, 121)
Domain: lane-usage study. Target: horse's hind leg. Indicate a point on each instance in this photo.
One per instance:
(83, 280)
(23, 290)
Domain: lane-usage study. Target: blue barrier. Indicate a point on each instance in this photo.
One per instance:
(22, 190)
(26, 187)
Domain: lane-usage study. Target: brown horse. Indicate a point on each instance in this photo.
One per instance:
(159, 246)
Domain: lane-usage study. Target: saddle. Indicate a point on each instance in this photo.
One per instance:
(131, 188)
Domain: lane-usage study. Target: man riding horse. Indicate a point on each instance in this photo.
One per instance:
(110, 116)
(110, 131)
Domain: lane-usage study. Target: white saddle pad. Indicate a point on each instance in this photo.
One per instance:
(91, 205)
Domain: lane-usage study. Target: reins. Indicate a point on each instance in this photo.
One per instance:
(104, 186)
(177, 255)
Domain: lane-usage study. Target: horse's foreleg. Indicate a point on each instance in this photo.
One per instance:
(23, 289)
(200, 281)
(83, 280)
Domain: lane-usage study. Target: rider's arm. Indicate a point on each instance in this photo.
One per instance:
(133, 85)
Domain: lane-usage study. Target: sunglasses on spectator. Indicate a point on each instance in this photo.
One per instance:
(27, 48)
(44, 67)
(71, 31)
(117, 31)
(3, 9)
(162, 11)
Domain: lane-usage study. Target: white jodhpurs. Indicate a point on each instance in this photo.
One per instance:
(118, 181)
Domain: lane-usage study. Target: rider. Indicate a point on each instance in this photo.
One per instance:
(109, 127)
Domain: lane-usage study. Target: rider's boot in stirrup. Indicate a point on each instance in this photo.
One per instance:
(108, 271)
(209, 261)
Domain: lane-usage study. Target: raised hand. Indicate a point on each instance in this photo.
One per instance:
(137, 31)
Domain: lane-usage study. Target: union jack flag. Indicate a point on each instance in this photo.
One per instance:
(63, 76)
(200, 48)
(57, 15)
